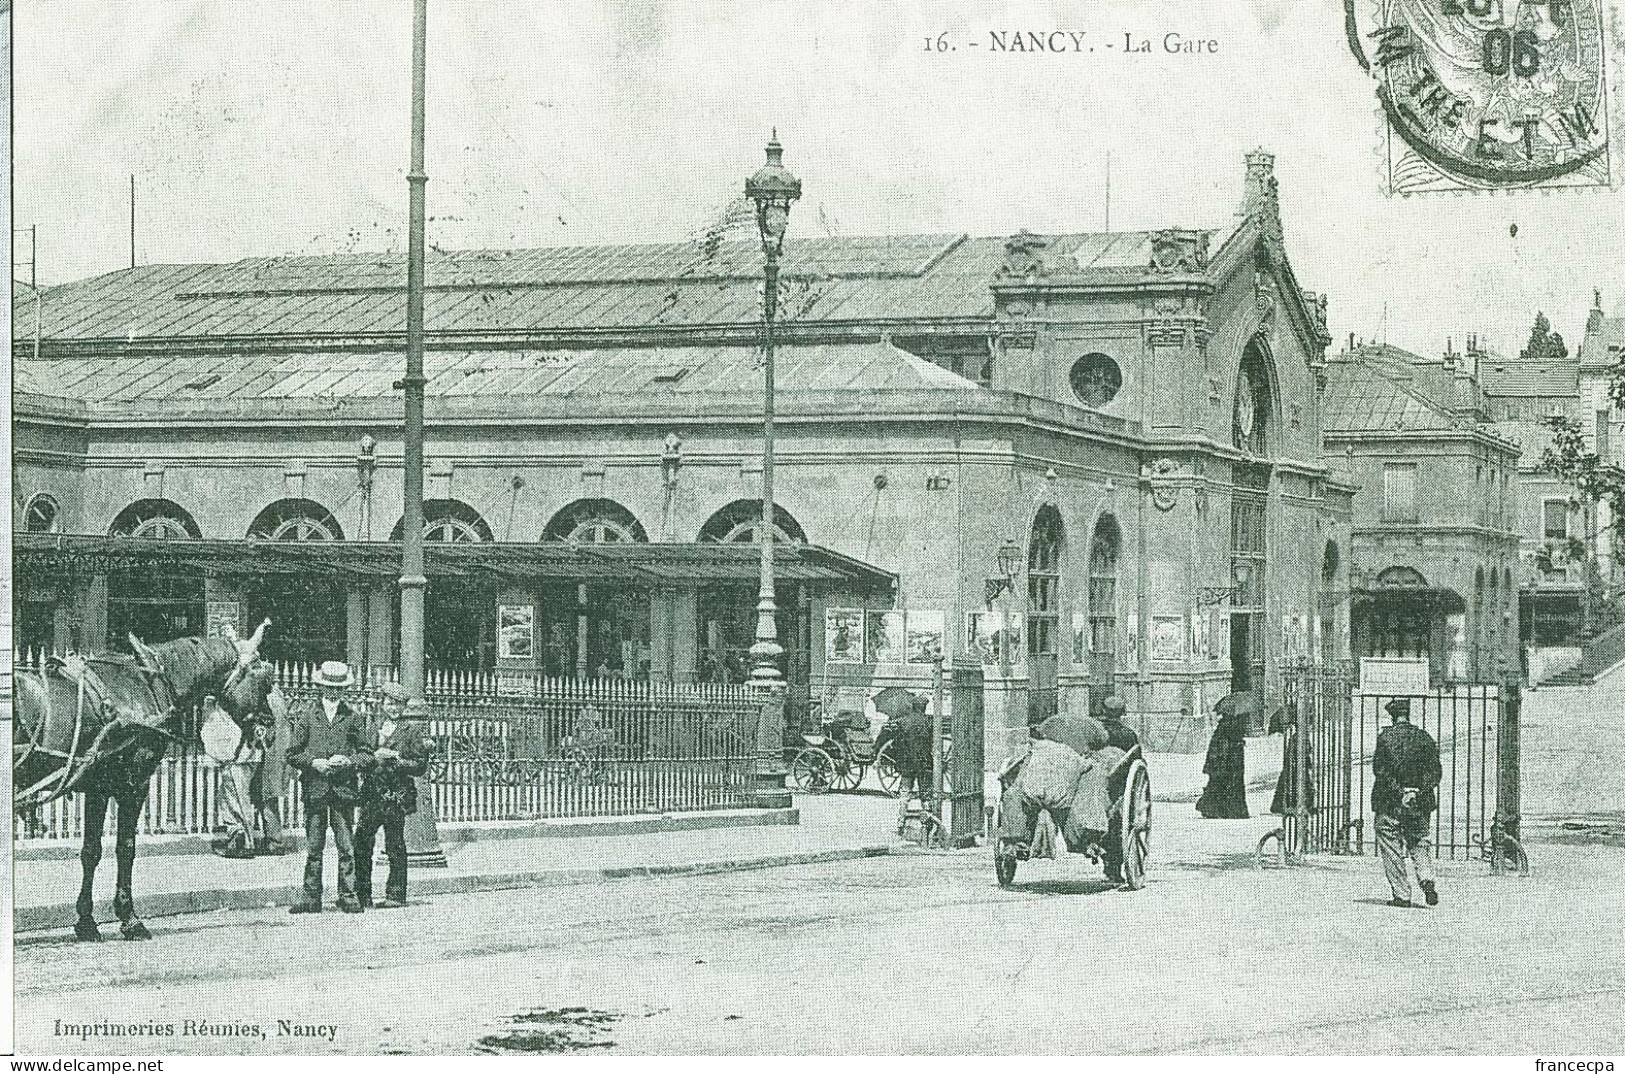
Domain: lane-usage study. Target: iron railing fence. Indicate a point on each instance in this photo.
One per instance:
(1330, 735)
(527, 747)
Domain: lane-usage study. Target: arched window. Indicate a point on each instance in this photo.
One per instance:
(1104, 550)
(595, 522)
(155, 518)
(449, 520)
(295, 520)
(1253, 416)
(738, 522)
(42, 515)
(1044, 583)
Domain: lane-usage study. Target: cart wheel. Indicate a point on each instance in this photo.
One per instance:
(1004, 865)
(1136, 825)
(849, 777)
(812, 771)
(886, 772)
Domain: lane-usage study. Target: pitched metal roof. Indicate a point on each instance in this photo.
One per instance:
(1518, 377)
(652, 564)
(906, 277)
(1367, 393)
(1604, 342)
(645, 372)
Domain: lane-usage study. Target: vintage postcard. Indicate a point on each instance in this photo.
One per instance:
(686, 528)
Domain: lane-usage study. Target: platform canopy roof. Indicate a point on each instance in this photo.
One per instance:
(651, 564)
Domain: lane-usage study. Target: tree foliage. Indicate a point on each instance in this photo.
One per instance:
(1544, 344)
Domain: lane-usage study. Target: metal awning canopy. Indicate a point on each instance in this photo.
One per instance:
(654, 564)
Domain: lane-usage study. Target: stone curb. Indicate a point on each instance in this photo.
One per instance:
(455, 834)
(428, 882)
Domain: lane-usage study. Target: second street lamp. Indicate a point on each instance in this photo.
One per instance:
(773, 189)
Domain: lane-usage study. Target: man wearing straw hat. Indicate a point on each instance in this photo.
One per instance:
(329, 746)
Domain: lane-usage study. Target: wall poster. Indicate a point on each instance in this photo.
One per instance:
(1167, 637)
(926, 630)
(516, 632)
(843, 635)
(982, 628)
(222, 618)
(884, 640)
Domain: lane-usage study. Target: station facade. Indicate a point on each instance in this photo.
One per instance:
(1139, 413)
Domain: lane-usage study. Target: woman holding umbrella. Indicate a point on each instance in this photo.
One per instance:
(1226, 795)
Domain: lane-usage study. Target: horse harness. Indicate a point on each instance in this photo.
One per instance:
(93, 698)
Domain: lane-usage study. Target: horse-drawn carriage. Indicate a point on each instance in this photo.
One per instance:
(829, 752)
(1127, 845)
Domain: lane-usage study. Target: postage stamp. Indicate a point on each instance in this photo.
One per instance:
(1488, 94)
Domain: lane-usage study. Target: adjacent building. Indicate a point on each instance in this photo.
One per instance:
(1435, 541)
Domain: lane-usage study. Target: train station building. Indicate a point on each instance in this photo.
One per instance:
(1139, 414)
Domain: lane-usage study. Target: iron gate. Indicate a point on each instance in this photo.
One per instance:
(1329, 731)
(965, 760)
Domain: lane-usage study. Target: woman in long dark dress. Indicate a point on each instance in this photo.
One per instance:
(1286, 785)
(1226, 767)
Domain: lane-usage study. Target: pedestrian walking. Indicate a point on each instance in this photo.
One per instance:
(328, 745)
(1225, 797)
(1404, 793)
(1285, 799)
(1118, 733)
(388, 794)
(909, 736)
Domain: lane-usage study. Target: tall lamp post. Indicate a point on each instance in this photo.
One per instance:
(772, 189)
(422, 841)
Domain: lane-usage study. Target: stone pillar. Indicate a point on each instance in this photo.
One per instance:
(355, 630)
(662, 635)
(685, 622)
(92, 601)
(380, 626)
(1004, 722)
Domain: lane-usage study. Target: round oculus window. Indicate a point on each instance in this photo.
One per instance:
(1096, 380)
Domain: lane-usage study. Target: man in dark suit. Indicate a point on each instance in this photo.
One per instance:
(1404, 794)
(1118, 733)
(329, 747)
(388, 794)
(909, 735)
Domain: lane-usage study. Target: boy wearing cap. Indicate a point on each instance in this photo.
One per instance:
(1406, 774)
(329, 745)
(388, 794)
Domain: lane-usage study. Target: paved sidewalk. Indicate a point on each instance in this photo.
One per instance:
(841, 827)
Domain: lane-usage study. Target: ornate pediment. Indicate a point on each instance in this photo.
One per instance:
(1179, 250)
(1024, 255)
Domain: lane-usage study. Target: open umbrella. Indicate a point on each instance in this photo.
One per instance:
(894, 701)
(1241, 704)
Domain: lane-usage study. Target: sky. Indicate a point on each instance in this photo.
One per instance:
(282, 128)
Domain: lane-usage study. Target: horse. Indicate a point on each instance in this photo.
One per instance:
(100, 725)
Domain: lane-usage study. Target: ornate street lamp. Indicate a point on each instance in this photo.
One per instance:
(773, 189)
(1009, 561)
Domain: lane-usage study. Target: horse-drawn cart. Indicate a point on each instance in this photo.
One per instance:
(1128, 839)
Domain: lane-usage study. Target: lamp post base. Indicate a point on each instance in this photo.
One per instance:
(768, 789)
(422, 839)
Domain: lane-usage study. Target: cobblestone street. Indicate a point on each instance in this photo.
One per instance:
(922, 953)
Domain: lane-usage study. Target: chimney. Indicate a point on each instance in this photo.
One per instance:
(1594, 318)
(1261, 200)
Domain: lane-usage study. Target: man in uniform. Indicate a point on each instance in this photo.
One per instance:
(1406, 773)
(388, 794)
